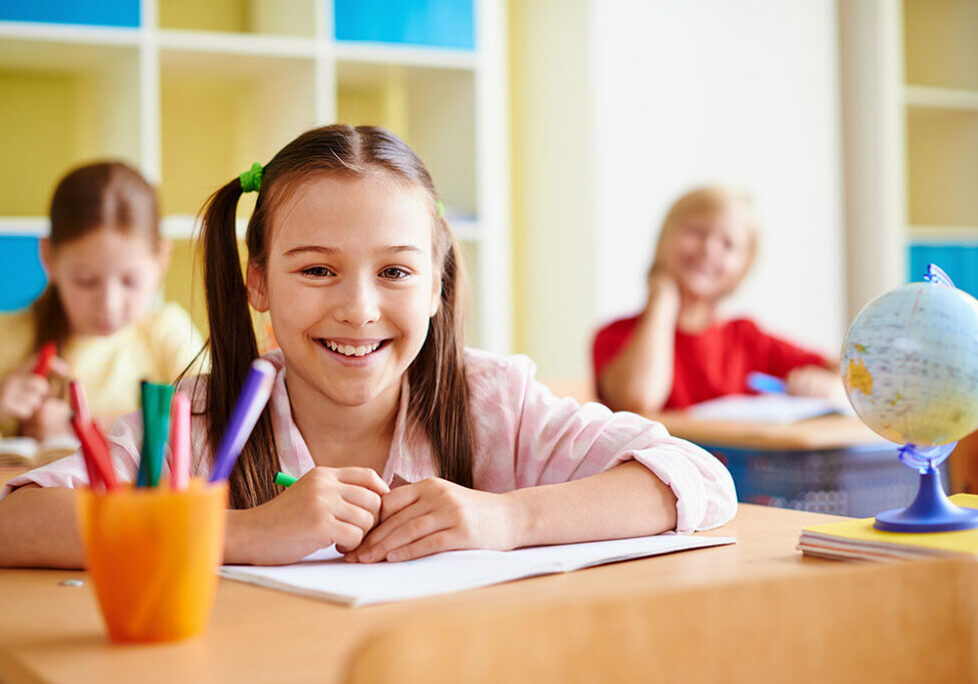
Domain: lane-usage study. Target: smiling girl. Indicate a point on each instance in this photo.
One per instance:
(105, 259)
(405, 443)
(678, 351)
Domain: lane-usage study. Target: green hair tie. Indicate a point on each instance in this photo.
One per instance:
(441, 208)
(251, 179)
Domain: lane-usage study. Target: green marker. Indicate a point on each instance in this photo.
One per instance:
(283, 480)
(155, 401)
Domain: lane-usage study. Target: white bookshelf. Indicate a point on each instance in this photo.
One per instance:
(910, 77)
(192, 104)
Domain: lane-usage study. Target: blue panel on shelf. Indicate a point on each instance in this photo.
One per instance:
(438, 23)
(22, 278)
(959, 260)
(90, 13)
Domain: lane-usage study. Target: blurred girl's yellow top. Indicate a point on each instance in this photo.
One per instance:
(156, 348)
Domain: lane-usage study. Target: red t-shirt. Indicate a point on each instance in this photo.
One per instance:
(712, 363)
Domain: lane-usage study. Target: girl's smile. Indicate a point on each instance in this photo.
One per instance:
(353, 352)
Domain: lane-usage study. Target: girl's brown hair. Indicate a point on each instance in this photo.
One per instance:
(106, 194)
(439, 392)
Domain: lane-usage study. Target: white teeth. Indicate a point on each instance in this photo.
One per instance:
(350, 350)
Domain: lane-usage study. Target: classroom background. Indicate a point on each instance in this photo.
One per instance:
(558, 133)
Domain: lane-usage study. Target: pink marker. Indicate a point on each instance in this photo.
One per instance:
(179, 441)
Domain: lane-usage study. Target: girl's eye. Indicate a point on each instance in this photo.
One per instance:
(85, 283)
(394, 273)
(317, 271)
(130, 282)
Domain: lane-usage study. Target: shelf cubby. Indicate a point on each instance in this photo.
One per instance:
(940, 49)
(433, 109)
(942, 153)
(268, 17)
(220, 113)
(63, 103)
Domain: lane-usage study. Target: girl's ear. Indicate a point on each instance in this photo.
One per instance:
(255, 282)
(435, 297)
(46, 253)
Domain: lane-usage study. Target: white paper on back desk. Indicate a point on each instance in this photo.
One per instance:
(325, 574)
(766, 408)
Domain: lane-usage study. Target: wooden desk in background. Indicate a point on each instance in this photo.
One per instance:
(822, 433)
(753, 611)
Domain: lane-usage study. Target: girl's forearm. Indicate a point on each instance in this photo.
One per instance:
(38, 529)
(625, 501)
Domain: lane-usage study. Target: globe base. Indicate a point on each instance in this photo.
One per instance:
(931, 511)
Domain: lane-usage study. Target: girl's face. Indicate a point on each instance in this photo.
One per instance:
(707, 253)
(106, 279)
(349, 284)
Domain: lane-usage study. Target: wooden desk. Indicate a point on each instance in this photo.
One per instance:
(824, 432)
(754, 611)
(10, 472)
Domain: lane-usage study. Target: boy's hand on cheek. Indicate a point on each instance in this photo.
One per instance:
(325, 506)
(436, 515)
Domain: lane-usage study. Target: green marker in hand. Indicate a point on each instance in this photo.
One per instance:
(283, 480)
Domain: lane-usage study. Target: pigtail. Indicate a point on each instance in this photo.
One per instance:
(50, 319)
(233, 346)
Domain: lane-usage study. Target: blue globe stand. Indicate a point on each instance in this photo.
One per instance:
(931, 511)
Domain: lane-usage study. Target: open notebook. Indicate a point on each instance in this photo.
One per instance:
(326, 575)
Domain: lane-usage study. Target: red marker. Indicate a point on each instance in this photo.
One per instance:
(95, 452)
(78, 403)
(94, 477)
(43, 365)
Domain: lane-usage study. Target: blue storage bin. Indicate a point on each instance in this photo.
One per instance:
(959, 260)
(22, 277)
(437, 23)
(123, 13)
(858, 482)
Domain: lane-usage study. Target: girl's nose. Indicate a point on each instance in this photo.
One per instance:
(111, 301)
(359, 304)
(713, 245)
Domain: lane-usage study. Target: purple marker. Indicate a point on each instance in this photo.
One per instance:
(254, 395)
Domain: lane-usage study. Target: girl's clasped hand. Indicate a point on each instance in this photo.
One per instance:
(436, 515)
(369, 522)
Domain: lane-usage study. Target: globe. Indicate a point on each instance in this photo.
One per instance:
(910, 364)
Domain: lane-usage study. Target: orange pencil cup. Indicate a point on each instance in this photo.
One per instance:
(153, 555)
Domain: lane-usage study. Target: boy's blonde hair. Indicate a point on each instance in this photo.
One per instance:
(708, 200)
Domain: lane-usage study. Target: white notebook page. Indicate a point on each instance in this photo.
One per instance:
(326, 575)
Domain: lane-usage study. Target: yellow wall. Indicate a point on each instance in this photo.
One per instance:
(42, 101)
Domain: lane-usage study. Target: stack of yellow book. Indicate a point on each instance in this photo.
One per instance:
(858, 540)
